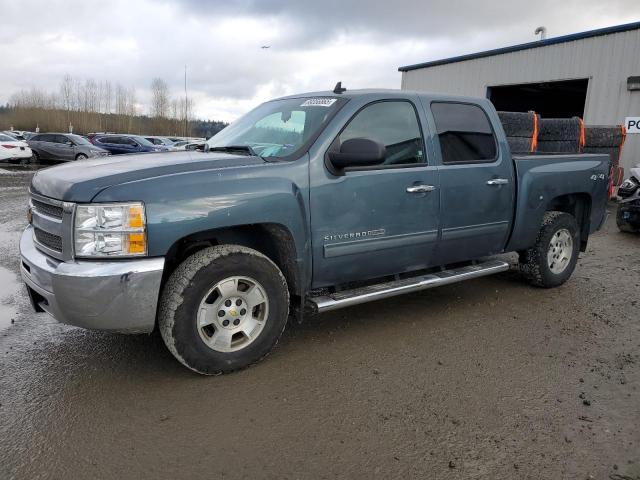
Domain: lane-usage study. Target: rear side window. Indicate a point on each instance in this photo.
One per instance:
(395, 125)
(464, 132)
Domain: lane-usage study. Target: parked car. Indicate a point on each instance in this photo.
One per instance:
(162, 142)
(307, 203)
(14, 134)
(13, 150)
(181, 145)
(122, 144)
(628, 214)
(63, 147)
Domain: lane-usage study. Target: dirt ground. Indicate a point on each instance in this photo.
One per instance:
(485, 379)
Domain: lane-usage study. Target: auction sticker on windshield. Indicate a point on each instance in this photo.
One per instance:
(319, 102)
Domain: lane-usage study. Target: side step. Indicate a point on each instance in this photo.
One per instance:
(346, 298)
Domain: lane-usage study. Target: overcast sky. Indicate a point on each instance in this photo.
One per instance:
(313, 44)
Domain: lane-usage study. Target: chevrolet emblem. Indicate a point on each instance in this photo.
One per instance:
(233, 313)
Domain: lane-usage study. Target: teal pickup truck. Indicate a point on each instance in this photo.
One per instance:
(307, 203)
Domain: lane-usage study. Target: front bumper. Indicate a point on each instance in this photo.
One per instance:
(115, 295)
(629, 211)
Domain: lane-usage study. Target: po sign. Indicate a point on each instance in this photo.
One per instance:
(632, 124)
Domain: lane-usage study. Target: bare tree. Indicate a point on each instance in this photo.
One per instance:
(159, 98)
(66, 92)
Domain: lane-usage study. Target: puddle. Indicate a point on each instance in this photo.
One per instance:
(10, 289)
(9, 168)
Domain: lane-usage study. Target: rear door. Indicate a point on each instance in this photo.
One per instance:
(476, 180)
(45, 146)
(111, 143)
(380, 220)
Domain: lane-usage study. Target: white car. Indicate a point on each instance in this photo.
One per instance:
(13, 150)
(181, 145)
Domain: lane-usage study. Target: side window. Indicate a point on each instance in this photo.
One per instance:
(464, 133)
(61, 139)
(394, 124)
(46, 138)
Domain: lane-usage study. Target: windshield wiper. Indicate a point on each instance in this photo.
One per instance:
(235, 148)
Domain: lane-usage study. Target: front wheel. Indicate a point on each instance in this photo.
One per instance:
(551, 261)
(81, 156)
(223, 309)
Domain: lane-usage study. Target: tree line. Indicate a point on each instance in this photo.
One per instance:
(90, 106)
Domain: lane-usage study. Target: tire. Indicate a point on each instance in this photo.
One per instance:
(26, 161)
(195, 285)
(35, 157)
(81, 156)
(535, 263)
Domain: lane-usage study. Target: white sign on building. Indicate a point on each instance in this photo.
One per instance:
(632, 124)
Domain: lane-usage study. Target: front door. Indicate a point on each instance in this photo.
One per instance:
(64, 149)
(380, 220)
(477, 184)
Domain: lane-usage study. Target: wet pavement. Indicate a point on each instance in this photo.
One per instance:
(485, 379)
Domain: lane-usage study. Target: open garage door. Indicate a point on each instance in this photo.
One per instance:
(561, 99)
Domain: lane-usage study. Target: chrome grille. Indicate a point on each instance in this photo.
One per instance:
(49, 240)
(47, 209)
(51, 220)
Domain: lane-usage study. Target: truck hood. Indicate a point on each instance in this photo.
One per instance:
(82, 181)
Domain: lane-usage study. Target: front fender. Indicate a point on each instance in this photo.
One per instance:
(183, 204)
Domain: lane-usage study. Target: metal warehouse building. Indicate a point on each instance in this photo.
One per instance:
(594, 75)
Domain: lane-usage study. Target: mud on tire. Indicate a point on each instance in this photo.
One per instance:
(534, 263)
(188, 286)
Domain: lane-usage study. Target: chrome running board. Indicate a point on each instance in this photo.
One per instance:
(346, 298)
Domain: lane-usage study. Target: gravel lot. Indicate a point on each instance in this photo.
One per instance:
(485, 379)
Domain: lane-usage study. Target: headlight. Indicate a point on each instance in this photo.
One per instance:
(110, 230)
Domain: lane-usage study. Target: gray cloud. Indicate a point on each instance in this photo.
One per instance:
(313, 44)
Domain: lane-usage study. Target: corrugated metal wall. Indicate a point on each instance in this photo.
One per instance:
(606, 60)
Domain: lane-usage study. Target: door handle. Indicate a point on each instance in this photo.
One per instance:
(420, 188)
(498, 181)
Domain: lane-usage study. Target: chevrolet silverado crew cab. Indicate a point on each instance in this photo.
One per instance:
(308, 203)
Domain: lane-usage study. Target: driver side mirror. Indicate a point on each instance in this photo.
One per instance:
(359, 152)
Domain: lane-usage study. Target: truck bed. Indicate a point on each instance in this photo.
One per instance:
(545, 180)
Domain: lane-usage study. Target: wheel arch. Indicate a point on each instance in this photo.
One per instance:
(576, 204)
(273, 240)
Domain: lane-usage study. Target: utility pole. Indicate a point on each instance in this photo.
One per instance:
(186, 104)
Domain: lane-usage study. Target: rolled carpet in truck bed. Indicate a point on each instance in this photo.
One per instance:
(561, 135)
(521, 130)
(609, 140)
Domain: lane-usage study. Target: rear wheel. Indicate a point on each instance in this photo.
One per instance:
(35, 157)
(551, 261)
(223, 309)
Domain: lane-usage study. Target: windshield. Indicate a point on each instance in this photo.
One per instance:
(278, 128)
(78, 140)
